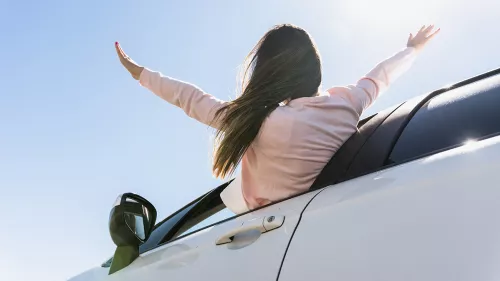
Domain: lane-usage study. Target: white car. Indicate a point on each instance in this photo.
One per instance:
(414, 195)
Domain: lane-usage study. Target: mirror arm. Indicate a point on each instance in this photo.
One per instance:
(124, 255)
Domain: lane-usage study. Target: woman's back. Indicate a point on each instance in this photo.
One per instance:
(294, 144)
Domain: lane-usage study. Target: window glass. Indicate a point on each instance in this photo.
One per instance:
(204, 211)
(218, 216)
(161, 230)
(452, 118)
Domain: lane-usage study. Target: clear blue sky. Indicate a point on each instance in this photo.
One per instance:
(76, 130)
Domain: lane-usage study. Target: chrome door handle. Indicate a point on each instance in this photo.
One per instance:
(262, 225)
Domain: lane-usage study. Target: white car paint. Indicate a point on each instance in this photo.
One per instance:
(197, 257)
(94, 274)
(436, 218)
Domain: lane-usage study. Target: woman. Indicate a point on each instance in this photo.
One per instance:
(281, 128)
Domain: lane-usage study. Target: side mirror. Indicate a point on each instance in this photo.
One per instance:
(131, 221)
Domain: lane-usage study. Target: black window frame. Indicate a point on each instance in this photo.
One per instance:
(167, 229)
(163, 228)
(336, 169)
(203, 209)
(373, 154)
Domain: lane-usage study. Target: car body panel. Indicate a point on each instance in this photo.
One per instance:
(434, 218)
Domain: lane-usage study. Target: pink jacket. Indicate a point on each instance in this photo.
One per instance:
(298, 139)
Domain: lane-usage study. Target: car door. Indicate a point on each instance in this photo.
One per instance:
(422, 199)
(246, 247)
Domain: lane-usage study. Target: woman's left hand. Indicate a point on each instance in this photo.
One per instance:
(132, 67)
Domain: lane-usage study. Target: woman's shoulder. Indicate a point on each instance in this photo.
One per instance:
(333, 95)
(321, 96)
(311, 108)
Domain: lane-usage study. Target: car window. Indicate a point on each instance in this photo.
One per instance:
(216, 217)
(163, 228)
(207, 211)
(467, 113)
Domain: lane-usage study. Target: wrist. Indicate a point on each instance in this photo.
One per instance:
(417, 48)
(138, 72)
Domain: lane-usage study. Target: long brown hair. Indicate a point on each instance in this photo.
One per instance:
(284, 65)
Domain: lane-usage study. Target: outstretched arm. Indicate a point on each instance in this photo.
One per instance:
(195, 103)
(368, 88)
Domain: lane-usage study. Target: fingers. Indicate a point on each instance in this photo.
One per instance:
(428, 29)
(434, 33)
(132, 67)
(422, 37)
(120, 52)
(423, 30)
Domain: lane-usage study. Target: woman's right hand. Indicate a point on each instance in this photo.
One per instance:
(423, 36)
(132, 67)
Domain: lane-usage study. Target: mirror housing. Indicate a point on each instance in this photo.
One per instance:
(131, 222)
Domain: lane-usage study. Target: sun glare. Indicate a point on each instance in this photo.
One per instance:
(469, 142)
(393, 13)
